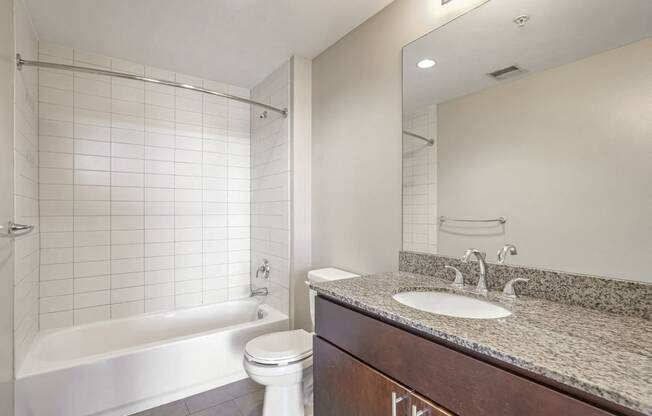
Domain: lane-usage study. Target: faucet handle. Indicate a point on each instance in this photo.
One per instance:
(503, 252)
(508, 291)
(459, 277)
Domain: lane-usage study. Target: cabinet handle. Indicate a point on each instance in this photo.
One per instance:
(416, 412)
(396, 400)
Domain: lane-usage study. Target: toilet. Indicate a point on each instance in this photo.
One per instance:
(282, 361)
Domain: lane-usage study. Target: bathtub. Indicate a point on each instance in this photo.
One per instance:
(119, 367)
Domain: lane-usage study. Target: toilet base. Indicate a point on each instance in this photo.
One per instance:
(284, 400)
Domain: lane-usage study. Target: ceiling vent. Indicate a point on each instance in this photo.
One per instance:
(507, 72)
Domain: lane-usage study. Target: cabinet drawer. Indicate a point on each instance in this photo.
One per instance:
(465, 385)
(344, 386)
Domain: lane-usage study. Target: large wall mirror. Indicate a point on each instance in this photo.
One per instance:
(529, 122)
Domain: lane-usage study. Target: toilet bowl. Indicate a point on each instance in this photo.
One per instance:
(282, 361)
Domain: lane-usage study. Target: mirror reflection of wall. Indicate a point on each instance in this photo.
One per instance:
(559, 142)
(420, 181)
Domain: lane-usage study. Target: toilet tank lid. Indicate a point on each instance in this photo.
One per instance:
(329, 274)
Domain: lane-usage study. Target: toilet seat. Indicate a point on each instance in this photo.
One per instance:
(280, 348)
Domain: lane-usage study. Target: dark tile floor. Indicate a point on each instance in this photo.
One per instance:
(243, 398)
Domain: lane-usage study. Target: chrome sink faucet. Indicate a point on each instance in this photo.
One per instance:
(507, 249)
(482, 282)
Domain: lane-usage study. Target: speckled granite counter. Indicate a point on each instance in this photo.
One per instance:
(606, 355)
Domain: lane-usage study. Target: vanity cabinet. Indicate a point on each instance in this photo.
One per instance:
(346, 386)
(361, 363)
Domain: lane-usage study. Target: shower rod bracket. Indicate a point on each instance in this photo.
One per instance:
(20, 63)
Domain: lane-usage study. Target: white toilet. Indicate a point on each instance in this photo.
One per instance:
(282, 361)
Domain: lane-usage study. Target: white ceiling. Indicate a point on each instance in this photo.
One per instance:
(233, 41)
(487, 39)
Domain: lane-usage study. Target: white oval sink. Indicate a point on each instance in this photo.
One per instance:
(449, 304)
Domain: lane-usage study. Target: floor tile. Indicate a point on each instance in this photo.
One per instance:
(177, 408)
(220, 395)
(251, 404)
(225, 409)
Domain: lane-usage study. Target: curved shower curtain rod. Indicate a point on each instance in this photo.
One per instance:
(430, 142)
(20, 62)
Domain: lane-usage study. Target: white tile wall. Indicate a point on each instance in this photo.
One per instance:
(420, 183)
(26, 259)
(145, 192)
(270, 193)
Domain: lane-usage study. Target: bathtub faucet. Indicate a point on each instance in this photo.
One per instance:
(262, 291)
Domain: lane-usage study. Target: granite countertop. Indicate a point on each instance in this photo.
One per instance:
(603, 354)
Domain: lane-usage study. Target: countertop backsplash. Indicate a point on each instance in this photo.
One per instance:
(621, 297)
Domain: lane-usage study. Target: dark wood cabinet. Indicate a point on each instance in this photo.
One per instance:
(359, 361)
(344, 386)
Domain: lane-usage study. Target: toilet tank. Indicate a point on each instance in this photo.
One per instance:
(325, 275)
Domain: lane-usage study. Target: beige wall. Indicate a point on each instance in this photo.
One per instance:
(7, 67)
(566, 156)
(356, 133)
(300, 125)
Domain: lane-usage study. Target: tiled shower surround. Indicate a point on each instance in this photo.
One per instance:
(420, 221)
(144, 192)
(26, 259)
(270, 194)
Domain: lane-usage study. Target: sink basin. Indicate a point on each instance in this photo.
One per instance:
(449, 304)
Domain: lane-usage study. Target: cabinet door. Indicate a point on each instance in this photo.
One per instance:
(343, 386)
(423, 407)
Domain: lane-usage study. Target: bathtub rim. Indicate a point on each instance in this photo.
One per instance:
(31, 367)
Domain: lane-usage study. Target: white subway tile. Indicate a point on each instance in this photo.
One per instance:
(127, 265)
(84, 162)
(55, 144)
(128, 179)
(127, 280)
(127, 237)
(123, 310)
(127, 251)
(159, 263)
(91, 284)
(96, 268)
(127, 294)
(83, 207)
(55, 176)
(90, 177)
(127, 136)
(92, 102)
(92, 223)
(92, 253)
(127, 194)
(94, 314)
(188, 300)
(56, 287)
(88, 132)
(55, 320)
(92, 148)
(55, 304)
(90, 299)
(159, 304)
(56, 239)
(92, 193)
(56, 255)
(153, 277)
(128, 208)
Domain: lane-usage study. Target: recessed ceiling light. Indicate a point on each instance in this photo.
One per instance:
(426, 63)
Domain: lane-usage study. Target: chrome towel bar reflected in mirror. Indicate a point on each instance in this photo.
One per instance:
(13, 230)
(443, 219)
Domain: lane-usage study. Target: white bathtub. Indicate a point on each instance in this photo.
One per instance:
(115, 368)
